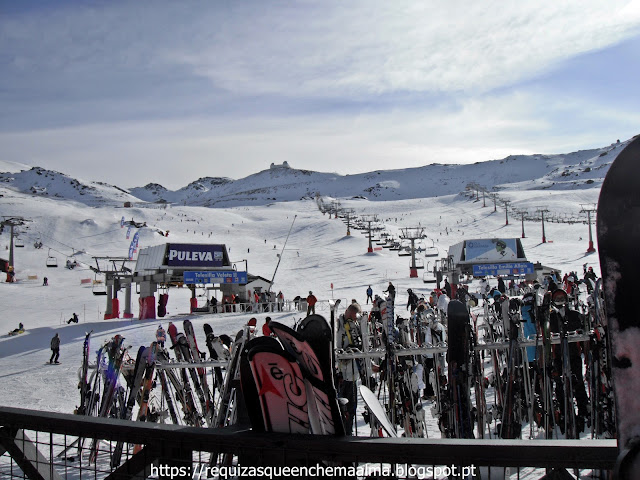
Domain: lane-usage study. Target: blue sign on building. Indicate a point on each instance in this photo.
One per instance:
(495, 269)
(229, 276)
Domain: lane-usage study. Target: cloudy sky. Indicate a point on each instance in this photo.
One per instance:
(167, 92)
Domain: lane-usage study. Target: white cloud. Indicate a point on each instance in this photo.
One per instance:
(372, 48)
(131, 93)
(175, 153)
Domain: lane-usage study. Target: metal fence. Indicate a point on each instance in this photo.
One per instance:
(44, 445)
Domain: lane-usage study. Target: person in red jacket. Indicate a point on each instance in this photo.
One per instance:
(266, 331)
(311, 303)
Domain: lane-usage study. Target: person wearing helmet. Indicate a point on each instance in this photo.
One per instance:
(311, 304)
(161, 336)
(563, 320)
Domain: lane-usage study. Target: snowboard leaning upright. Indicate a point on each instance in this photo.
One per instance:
(618, 228)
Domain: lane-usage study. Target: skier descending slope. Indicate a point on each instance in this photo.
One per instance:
(618, 238)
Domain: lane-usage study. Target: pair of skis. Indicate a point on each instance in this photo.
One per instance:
(185, 349)
(139, 383)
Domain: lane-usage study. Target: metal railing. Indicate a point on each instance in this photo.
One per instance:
(265, 307)
(46, 445)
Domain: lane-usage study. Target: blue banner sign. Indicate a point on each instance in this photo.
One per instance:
(495, 269)
(191, 255)
(229, 276)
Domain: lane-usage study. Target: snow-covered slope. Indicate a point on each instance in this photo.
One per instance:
(572, 171)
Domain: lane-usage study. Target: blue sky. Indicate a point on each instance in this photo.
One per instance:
(167, 92)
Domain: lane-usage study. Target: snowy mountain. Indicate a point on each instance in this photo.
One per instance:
(47, 183)
(573, 171)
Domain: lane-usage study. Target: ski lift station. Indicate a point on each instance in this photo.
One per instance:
(208, 265)
(489, 257)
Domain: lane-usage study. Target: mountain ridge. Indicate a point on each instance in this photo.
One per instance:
(281, 183)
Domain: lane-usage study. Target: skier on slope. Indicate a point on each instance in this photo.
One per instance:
(369, 294)
(311, 303)
(391, 290)
(55, 349)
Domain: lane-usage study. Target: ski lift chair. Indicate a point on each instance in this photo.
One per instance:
(431, 252)
(51, 260)
(98, 288)
(18, 243)
(429, 277)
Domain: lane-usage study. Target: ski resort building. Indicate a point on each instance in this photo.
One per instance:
(489, 257)
(177, 264)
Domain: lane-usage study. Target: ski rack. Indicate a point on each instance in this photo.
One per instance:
(170, 365)
(573, 337)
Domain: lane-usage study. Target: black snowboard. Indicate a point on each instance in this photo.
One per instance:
(618, 229)
(458, 351)
(310, 345)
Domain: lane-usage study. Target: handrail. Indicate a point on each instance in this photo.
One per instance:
(599, 454)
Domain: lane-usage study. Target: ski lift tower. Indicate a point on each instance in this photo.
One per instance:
(369, 219)
(506, 211)
(542, 212)
(12, 222)
(349, 213)
(335, 207)
(494, 197)
(589, 210)
(117, 275)
(412, 234)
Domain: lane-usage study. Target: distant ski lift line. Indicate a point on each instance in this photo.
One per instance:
(281, 253)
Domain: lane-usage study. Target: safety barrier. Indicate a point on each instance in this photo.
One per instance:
(266, 307)
(45, 445)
